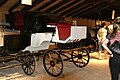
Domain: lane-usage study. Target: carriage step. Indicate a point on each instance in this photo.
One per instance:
(9, 66)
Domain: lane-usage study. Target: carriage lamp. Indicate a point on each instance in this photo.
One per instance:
(26, 2)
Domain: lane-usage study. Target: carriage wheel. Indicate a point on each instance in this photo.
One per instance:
(28, 65)
(53, 63)
(80, 57)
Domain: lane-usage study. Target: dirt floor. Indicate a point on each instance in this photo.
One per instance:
(95, 70)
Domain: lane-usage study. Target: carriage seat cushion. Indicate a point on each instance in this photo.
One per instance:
(64, 30)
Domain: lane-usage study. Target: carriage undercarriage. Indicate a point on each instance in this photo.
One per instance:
(52, 59)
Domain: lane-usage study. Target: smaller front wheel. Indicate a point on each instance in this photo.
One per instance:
(53, 63)
(80, 57)
(28, 65)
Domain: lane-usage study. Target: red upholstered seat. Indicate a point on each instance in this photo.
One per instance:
(64, 30)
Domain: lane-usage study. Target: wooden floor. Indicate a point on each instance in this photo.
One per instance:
(95, 70)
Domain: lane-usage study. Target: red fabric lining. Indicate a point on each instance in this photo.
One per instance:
(19, 21)
(64, 30)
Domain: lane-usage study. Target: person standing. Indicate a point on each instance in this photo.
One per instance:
(114, 60)
(101, 35)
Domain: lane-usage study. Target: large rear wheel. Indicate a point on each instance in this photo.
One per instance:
(53, 63)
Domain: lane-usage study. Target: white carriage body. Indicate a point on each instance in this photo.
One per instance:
(76, 32)
(41, 41)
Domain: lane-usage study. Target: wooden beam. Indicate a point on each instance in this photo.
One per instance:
(45, 5)
(36, 2)
(56, 6)
(87, 8)
(96, 9)
(2, 2)
(50, 5)
(76, 9)
(75, 3)
(71, 2)
(67, 3)
(14, 6)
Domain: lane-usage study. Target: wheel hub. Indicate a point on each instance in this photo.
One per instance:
(52, 63)
(79, 56)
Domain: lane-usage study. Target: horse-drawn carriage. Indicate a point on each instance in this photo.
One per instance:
(24, 47)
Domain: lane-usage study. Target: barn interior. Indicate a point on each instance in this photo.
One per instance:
(23, 19)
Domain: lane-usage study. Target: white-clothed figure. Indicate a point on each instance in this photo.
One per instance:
(101, 35)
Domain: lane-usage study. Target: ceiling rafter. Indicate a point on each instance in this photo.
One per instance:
(39, 5)
(60, 13)
(36, 2)
(96, 9)
(58, 8)
(2, 2)
(14, 6)
(83, 6)
(45, 5)
(65, 7)
(68, 12)
(87, 8)
(57, 5)
(52, 4)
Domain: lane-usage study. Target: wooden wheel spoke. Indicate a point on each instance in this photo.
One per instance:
(84, 54)
(75, 54)
(48, 59)
(25, 67)
(55, 70)
(49, 67)
(29, 70)
(78, 61)
(58, 67)
(84, 59)
(80, 52)
(52, 70)
(50, 56)
(47, 63)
